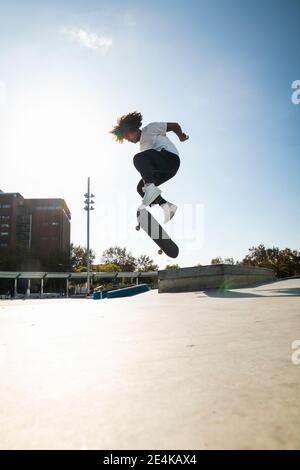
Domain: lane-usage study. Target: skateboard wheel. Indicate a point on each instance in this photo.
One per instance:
(137, 227)
(160, 252)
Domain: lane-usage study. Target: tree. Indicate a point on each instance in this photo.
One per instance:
(120, 257)
(217, 260)
(172, 266)
(106, 268)
(144, 264)
(220, 260)
(284, 262)
(79, 257)
(229, 261)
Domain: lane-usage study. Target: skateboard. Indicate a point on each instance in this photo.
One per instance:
(149, 224)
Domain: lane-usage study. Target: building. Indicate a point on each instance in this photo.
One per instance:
(10, 207)
(42, 225)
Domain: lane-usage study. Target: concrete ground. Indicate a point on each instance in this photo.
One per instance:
(156, 371)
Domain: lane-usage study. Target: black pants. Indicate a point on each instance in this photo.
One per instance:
(155, 167)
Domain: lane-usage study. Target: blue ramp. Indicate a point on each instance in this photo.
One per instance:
(100, 295)
(128, 291)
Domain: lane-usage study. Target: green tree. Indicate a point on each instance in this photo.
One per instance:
(220, 260)
(217, 260)
(106, 268)
(79, 257)
(285, 262)
(144, 264)
(119, 256)
(229, 261)
(172, 266)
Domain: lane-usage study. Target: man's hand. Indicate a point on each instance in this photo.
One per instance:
(183, 137)
(175, 127)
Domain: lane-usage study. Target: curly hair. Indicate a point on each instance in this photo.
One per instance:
(130, 121)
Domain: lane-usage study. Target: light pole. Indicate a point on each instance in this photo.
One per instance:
(88, 207)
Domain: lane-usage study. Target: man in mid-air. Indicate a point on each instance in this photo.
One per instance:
(158, 159)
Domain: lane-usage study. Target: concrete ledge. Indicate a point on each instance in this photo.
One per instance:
(219, 276)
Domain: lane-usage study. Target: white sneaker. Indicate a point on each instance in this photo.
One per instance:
(169, 211)
(151, 193)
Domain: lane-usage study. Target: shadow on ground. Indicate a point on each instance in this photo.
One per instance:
(231, 294)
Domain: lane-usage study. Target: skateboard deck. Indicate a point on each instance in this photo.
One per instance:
(155, 231)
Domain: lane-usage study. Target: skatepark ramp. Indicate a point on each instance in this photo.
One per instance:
(219, 276)
(124, 292)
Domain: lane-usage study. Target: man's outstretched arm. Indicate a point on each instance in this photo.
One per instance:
(175, 127)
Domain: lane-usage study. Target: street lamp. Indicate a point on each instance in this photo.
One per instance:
(88, 207)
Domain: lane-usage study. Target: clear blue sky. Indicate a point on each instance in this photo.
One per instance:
(223, 69)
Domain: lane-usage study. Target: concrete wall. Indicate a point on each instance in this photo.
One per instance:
(219, 276)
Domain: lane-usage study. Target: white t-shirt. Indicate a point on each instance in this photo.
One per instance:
(154, 136)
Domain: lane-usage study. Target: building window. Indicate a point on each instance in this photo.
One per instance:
(3, 244)
(5, 206)
(55, 223)
(5, 225)
(4, 234)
